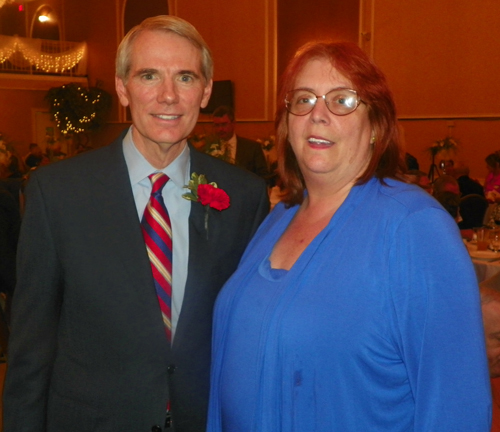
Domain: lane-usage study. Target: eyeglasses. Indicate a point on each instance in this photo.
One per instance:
(340, 101)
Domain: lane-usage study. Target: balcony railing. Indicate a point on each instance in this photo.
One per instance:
(40, 56)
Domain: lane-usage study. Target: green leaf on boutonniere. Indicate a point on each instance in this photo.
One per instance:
(193, 184)
(208, 194)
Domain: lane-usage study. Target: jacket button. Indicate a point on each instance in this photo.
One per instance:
(156, 428)
(171, 369)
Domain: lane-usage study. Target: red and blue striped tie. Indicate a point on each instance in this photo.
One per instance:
(157, 232)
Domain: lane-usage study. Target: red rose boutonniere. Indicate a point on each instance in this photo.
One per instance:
(208, 194)
(211, 195)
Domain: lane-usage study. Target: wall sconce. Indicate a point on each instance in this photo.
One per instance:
(45, 24)
(44, 14)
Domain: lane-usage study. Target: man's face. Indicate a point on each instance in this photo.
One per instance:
(164, 90)
(36, 151)
(223, 127)
(4, 154)
(491, 321)
(4, 158)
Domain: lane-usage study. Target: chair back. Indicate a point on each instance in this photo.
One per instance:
(472, 210)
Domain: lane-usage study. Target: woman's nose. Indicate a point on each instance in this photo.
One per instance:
(320, 112)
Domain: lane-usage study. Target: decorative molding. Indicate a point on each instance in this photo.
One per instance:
(367, 26)
(37, 82)
(270, 62)
(271, 58)
(172, 7)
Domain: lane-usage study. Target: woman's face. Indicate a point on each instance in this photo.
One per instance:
(335, 148)
(492, 169)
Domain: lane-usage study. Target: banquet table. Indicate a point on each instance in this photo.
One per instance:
(486, 264)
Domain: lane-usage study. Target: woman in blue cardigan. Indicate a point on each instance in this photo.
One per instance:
(355, 306)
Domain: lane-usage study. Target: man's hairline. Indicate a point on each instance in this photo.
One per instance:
(163, 30)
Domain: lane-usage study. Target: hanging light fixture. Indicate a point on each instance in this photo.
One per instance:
(43, 18)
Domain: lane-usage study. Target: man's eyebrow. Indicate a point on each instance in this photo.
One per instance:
(189, 72)
(145, 71)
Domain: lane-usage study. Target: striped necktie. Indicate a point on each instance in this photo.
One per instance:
(157, 232)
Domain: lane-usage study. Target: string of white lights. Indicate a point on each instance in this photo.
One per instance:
(34, 53)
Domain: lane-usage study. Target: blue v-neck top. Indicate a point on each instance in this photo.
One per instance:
(376, 327)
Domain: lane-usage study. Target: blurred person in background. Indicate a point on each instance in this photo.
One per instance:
(242, 152)
(492, 180)
(467, 185)
(35, 156)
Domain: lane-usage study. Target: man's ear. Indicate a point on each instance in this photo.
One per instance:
(121, 91)
(207, 91)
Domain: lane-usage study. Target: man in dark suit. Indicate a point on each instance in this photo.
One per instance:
(89, 349)
(243, 152)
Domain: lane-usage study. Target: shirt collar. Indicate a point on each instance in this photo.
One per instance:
(139, 168)
(232, 140)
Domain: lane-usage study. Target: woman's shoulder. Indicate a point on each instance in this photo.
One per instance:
(395, 194)
(279, 217)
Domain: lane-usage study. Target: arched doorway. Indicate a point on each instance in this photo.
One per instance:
(45, 24)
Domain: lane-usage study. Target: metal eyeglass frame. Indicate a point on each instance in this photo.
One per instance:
(359, 101)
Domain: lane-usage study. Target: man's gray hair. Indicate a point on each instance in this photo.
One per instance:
(165, 23)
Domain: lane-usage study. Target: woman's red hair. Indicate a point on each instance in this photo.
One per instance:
(370, 83)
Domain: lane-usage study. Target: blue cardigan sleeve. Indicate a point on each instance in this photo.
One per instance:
(439, 326)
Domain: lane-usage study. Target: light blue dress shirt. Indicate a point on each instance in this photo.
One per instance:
(178, 209)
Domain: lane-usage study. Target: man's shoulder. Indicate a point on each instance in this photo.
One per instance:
(468, 181)
(83, 165)
(224, 174)
(247, 141)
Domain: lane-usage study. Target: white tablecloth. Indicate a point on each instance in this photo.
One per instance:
(484, 268)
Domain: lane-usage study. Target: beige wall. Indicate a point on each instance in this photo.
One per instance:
(254, 61)
(16, 116)
(441, 60)
(299, 23)
(241, 35)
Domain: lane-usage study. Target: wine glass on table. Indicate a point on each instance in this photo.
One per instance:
(495, 241)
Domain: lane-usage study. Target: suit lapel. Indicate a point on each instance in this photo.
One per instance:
(119, 221)
(199, 251)
(239, 152)
(201, 230)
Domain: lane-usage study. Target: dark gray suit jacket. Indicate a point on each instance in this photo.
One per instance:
(88, 350)
(249, 155)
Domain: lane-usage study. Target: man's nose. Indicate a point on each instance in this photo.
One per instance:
(168, 93)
